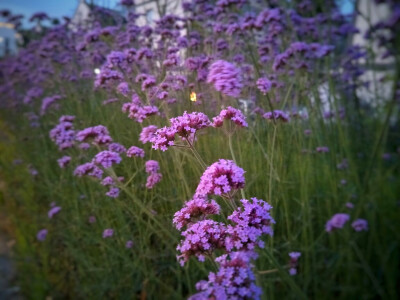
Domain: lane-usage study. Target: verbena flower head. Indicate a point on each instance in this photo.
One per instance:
(230, 113)
(189, 123)
(113, 192)
(41, 235)
(53, 211)
(234, 280)
(201, 239)
(116, 147)
(163, 138)
(64, 161)
(220, 178)
(264, 85)
(196, 209)
(252, 220)
(147, 134)
(129, 244)
(277, 115)
(153, 179)
(64, 134)
(226, 78)
(294, 256)
(360, 225)
(107, 158)
(322, 149)
(135, 151)
(152, 166)
(99, 133)
(89, 169)
(337, 222)
(108, 233)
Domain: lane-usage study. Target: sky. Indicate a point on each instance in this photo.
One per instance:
(59, 8)
(54, 8)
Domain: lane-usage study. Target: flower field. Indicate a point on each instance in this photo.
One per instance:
(228, 152)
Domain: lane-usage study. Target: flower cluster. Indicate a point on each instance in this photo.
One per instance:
(137, 111)
(234, 280)
(294, 257)
(107, 158)
(221, 178)
(135, 151)
(64, 134)
(277, 115)
(99, 134)
(230, 113)
(152, 170)
(226, 78)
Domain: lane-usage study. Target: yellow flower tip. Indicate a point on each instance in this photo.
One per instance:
(193, 97)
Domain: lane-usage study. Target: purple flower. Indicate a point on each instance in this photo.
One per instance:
(135, 151)
(115, 147)
(53, 211)
(163, 138)
(200, 239)
(41, 235)
(92, 219)
(107, 158)
(220, 178)
(226, 78)
(88, 169)
(152, 166)
(349, 205)
(264, 85)
(147, 134)
(196, 209)
(108, 233)
(234, 280)
(252, 220)
(113, 192)
(189, 123)
(322, 149)
(337, 222)
(277, 115)
(99, 133)
(360, 225)
(230, 113)
(153, 179)
(63, 134)
(64, 161)
(129, 244)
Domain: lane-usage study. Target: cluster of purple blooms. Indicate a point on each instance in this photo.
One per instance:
(226, 78)
(153, 173)
(64, 134)
(202, 236)
(339, 220)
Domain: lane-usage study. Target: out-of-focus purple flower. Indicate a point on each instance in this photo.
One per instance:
(47, 102)
(293, 263)
(307, 132)
(113, 192)
(41, 235)
(53, 211)
(88, 169)
(337, 222)
(152, 166)
(116, 147)
(343, 181)
(92, 219)
(234, 280)
(64, 134)
(99, 133)
(264, 85)
(343, 164)
(147, 134)
(322, 149)
(220, 178)
(360, 225)
(108, 233)
(277, 115)
(107, 158)
(135, 151)
(137, 111)
(386, 156)
(226, 78)
(153, 179)
(196, 209)
(230, 113)
(349, 205)
(64, 161)
(129, 244)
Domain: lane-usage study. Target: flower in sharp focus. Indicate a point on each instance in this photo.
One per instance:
(220, 178)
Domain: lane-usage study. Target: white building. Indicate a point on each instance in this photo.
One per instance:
(9, 39)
